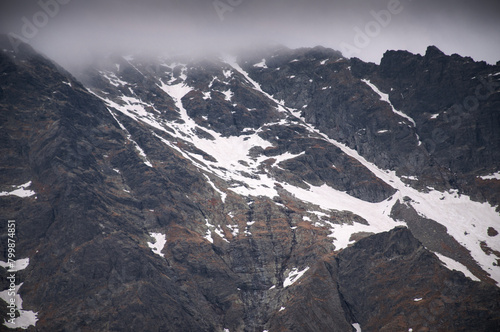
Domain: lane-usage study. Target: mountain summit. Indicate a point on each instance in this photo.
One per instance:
(275, 190)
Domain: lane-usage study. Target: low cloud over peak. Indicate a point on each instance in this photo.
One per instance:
(70, 31)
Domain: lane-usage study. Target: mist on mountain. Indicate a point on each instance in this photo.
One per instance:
(74, 31)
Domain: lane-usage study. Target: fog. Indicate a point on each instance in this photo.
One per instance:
(73, 31)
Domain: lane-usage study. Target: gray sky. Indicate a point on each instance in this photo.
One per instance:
(71, 30)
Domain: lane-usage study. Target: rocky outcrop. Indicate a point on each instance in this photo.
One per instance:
(449, 135)
(418, 293)
(454, 102)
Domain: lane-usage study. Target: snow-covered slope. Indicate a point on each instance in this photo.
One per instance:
(240, 163)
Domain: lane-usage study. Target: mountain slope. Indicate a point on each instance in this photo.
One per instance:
(205, 195)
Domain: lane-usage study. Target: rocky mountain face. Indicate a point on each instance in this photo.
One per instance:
(280, 190)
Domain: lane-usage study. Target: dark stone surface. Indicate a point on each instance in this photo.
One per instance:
(458, 145)
(390, 282)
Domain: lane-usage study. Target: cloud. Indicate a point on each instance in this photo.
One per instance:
(84, 28)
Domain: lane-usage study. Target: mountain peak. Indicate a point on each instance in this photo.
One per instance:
(433, 51)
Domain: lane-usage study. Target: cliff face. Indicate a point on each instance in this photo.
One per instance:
(265, 192)
(418, 292)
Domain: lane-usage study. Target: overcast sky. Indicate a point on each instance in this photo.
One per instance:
(70, 30)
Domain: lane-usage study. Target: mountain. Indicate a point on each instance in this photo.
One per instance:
(276, 190)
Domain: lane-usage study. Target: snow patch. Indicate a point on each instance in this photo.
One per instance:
(234, 230)
(293, 276)
(385, 97)
(357, 327)
(113, 79)
(376, 214)
(26, 317)
(232, 62)
(454, 265)
(208, 235)
(228, 95)
(17, 265)
(19, 191)
(219, 232)
(494, 176)
(226, 150)
(247, 231)
(222, 194)
(261, 64)
(287, 156)
(129, 137)
(159, 244)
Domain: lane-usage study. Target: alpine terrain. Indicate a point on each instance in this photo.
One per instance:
(270, 190)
